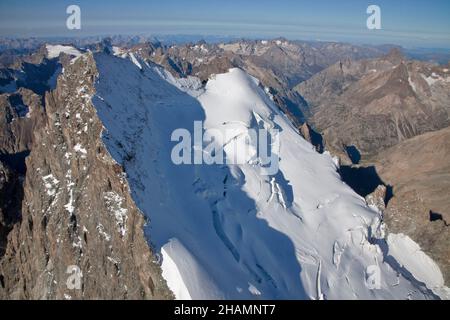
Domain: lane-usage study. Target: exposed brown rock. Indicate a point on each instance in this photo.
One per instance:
(77, 210)
(407, 213)
(419, 170)
(20, 114)
(420, 164)
(311, 136)
(10, 201)
(305, 132)
(377, 198)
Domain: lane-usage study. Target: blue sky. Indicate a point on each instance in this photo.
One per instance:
(413, 23)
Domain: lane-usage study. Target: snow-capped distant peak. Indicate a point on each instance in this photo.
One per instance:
(53, 51)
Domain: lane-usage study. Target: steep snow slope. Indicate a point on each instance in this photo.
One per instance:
(228, 231)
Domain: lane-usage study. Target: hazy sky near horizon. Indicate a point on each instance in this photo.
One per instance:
(413, 23)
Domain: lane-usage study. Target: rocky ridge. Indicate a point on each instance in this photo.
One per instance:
(76, 210)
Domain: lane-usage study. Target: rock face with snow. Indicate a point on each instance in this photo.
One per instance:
(377, 199)
(77, 216)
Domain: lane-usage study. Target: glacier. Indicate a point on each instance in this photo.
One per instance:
(228, 231)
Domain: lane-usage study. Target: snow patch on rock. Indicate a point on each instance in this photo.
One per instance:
(53, 51)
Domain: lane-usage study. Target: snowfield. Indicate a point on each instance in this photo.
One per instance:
(228, 231)
(53, 51)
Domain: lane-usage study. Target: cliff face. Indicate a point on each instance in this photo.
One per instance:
(78, 221)
(11, 192)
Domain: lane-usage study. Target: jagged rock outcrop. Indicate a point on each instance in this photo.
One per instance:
(10, 200)
(35, 71)
(312, 136)
(377, 199)
(21, 113)
(77, 211)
